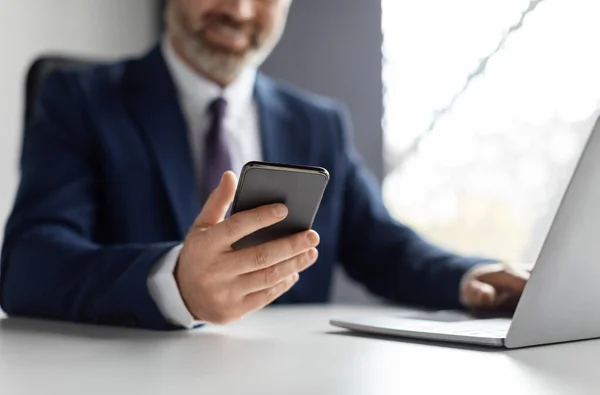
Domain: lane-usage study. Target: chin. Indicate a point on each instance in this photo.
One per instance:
(227, 52)
(218, 62)
(220, 65)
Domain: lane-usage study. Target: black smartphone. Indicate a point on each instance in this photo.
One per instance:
(300, 188)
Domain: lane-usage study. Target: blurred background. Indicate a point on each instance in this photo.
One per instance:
(472, 113)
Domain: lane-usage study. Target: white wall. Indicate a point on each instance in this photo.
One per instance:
(100, 28)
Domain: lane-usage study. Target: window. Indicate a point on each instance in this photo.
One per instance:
(487, 106)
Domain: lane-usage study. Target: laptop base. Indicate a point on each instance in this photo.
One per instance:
(484, 332)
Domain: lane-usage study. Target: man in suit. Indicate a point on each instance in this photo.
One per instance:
(121, 158)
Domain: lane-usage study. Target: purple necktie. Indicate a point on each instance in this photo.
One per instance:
(216, 151)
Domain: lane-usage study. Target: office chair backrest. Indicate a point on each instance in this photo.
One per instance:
(39, 70)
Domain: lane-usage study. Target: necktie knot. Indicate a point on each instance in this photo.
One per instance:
(217, 108)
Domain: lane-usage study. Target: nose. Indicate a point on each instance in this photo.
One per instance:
(240, 10)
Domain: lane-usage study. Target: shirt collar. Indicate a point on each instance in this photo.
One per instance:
(193, 86)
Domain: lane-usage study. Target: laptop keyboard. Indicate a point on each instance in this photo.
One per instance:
(457, 324)
(494, 328)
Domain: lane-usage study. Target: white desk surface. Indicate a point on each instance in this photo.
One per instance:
(280, 350)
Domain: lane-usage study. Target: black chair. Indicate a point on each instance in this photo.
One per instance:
(39, 70)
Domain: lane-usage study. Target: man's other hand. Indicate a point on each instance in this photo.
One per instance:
(495, 286)
(220, 285)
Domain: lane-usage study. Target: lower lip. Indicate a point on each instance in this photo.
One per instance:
(236, 41)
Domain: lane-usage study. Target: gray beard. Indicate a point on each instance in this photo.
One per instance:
(216, 64)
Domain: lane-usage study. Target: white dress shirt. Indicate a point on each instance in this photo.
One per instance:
(241, 127)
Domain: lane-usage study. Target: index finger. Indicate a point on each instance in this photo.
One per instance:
(247, 222)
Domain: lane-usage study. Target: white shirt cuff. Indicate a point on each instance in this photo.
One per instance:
(165, 293)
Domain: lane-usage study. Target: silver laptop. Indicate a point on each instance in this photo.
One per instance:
(561, 301)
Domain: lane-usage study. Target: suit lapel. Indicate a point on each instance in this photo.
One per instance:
(155, 108)
(153, 103)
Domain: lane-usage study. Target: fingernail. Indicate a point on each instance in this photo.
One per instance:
(312, 255)
(295, 277)
(313, 237)
(280, 211)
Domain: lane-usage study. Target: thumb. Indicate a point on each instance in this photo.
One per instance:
(218, 202)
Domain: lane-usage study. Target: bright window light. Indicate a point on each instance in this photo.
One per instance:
(487, 106)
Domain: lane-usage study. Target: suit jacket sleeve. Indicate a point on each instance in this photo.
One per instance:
(51, 266)
(388, 257)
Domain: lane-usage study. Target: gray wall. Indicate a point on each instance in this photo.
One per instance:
(101, 29)
(333, 47)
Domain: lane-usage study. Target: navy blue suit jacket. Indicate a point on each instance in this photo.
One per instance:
(107, 187)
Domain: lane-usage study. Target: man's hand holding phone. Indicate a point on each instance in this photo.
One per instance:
(219, 284)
